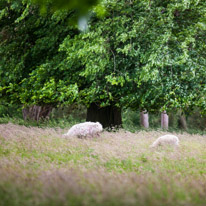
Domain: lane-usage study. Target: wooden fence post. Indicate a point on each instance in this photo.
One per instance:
(164, 120)
(144, 119)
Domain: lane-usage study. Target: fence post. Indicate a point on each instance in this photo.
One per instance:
(144, 119)
(164, 120)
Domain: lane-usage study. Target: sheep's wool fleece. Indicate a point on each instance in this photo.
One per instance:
(85, 129)
(166, 139)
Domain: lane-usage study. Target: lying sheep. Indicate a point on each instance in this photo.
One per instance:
(166, 140)
(86, 129)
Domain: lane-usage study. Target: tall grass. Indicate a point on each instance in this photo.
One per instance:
(40, 167)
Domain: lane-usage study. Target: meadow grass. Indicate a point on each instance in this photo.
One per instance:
(38, 166)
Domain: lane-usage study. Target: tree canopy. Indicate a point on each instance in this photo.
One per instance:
(82, 6)
(140, 54)
(29, 49)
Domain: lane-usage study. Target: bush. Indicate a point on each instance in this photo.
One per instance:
(9, 110)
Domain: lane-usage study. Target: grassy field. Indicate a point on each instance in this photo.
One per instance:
(40, 167)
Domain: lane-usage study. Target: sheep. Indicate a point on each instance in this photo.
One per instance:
(86, 129)
(166, 140)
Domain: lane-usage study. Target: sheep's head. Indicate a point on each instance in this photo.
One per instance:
(99, 126)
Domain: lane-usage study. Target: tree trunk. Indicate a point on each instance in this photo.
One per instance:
(144, 119)
(36, 113)
(182, 122)
(109, 116)
(164, 120)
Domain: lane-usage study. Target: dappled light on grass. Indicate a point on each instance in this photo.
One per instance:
(41, 167)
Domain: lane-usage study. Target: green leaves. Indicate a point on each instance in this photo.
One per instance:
(140, 54)
(143, 54)
(29, 51)
(80, 5)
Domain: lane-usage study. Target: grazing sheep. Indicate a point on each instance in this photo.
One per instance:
(86, 129)
(166, 140)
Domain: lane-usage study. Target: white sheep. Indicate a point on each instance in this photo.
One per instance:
(166, 140)
(86, 129)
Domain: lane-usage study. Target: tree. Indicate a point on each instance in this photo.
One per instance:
(29, 50)
(147, 55)
(142, 54)
(82, 6)
(182, 122)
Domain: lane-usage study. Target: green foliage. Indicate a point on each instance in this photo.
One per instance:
(11, 111)
(82, 6)
(30, 58)
(61, 117)
(140, 54)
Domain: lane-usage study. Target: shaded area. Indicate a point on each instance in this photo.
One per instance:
(109, 116)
